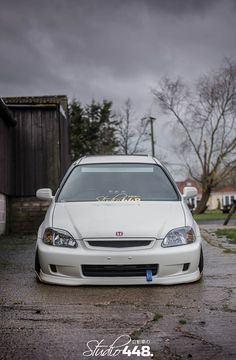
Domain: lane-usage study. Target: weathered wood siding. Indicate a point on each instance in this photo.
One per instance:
(7, 159)
(38, 139)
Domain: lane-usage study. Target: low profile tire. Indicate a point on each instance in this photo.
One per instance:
(201, 262)
(37, 264)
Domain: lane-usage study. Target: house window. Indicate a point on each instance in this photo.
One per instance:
(228, 199)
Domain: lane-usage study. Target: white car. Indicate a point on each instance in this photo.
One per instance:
(118, 220)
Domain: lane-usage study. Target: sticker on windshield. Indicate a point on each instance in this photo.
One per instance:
(119, 197)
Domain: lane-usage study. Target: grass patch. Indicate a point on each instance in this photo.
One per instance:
(229, 233)
(157, 317)
(182, 322)
(212, 215)
(229, 251)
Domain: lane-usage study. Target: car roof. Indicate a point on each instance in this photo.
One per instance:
(101, 159)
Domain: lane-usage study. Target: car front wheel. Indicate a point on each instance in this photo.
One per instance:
(201, 262)
(37, 263)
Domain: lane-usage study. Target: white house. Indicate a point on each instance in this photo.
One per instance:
(222, 197)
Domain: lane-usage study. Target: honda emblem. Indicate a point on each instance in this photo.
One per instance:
(119, 233)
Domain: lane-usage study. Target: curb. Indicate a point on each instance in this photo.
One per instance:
(212, 239)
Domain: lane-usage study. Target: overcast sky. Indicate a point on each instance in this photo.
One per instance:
(110, 49)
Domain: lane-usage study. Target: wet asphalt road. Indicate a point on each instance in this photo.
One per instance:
(193, 321)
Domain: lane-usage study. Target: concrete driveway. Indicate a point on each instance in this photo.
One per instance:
(193, 321)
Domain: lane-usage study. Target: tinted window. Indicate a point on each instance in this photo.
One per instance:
(118, 182)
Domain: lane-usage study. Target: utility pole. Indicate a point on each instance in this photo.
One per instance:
(152, 119)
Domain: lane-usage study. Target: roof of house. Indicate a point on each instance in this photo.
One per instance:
(188, 182)
(38, 100)
(225, 189)
(6, 115)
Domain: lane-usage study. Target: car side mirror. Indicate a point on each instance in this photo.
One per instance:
(189, 192)
(44, 194)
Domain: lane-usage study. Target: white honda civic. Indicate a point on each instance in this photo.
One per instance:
(118, 220)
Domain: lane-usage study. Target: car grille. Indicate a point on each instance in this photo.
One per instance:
(118, 270)
(118, 243)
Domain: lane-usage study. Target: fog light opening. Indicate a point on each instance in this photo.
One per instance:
(186, 266)
(53, 268)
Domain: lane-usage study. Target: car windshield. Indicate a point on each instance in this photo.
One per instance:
(118, 182)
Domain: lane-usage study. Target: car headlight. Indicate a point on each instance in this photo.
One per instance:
(180, 236)
(58, 237)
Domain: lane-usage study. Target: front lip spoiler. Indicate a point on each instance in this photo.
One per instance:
(135, 281)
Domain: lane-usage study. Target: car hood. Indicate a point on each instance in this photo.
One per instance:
(138, 219)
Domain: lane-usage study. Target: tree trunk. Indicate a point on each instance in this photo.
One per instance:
(231, 212)
(202, 205)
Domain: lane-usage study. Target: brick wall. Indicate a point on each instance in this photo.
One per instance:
(26, 214)
(2, 213)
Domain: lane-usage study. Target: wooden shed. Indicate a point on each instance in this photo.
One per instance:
(36, 154)
(41, 142)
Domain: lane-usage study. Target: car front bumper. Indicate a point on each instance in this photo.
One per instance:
(64, 265)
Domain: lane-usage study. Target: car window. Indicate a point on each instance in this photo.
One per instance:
(118, 182)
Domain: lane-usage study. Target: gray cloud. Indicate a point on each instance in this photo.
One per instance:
(110, 48)
(63, 42)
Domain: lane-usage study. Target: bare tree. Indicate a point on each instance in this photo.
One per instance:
(207, 120)
(130, 131)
